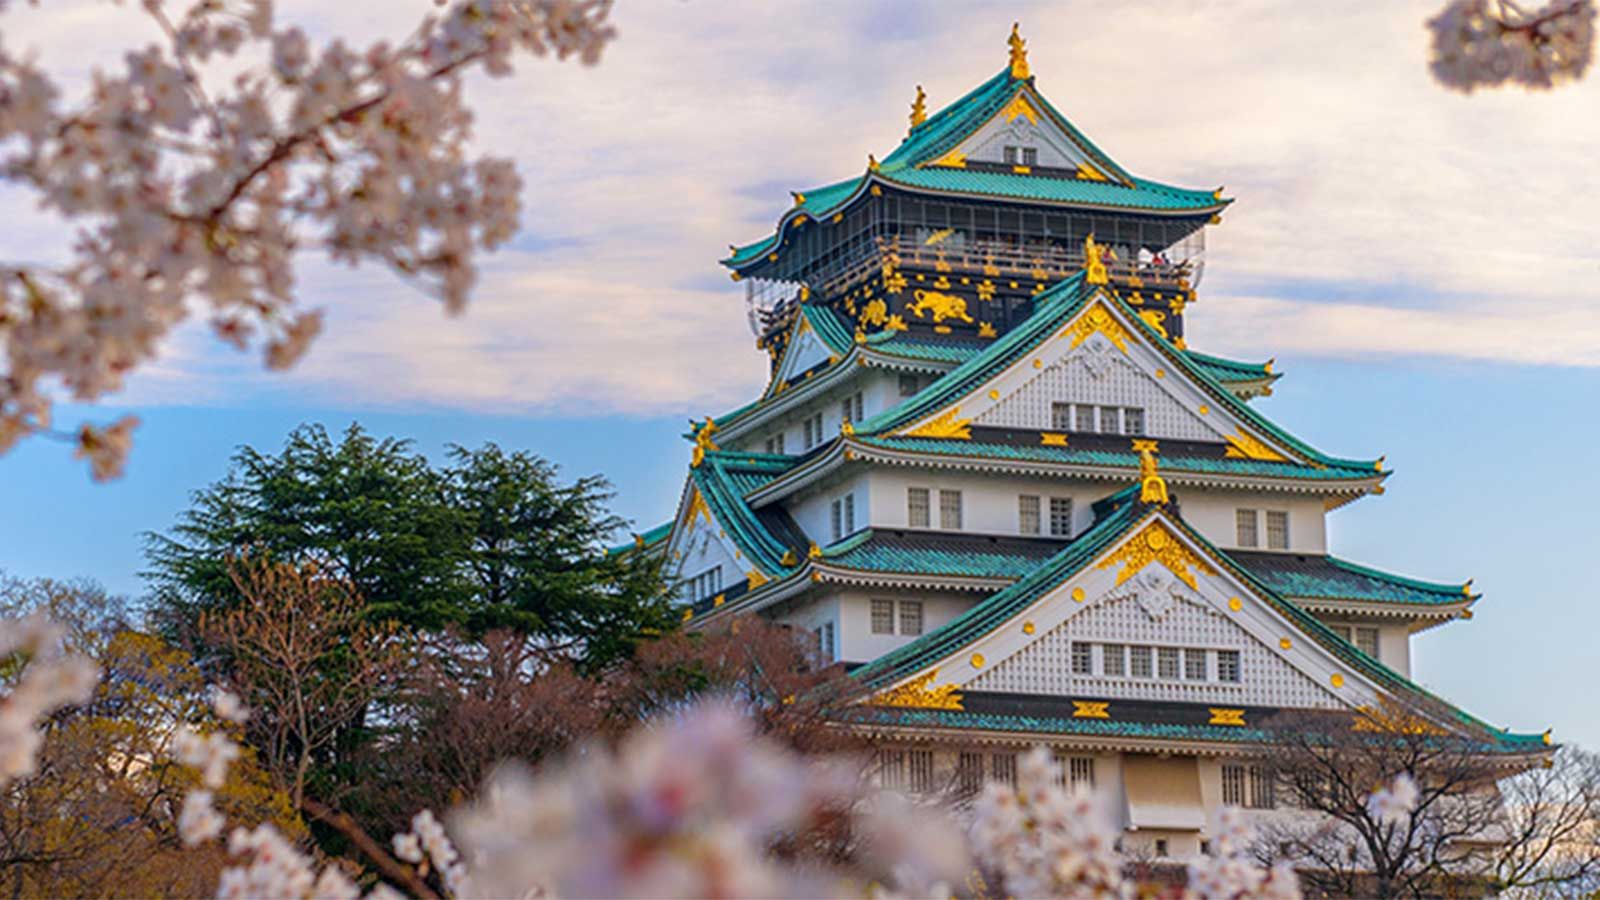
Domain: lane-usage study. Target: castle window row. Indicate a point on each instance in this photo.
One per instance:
(1248, 786)
(1030, 519)
(919, 511)
(917, 771)
(1365, 639)
(1248, 532)
(1152, 662)
(909, 618)
(1103, 419)
(703, 586)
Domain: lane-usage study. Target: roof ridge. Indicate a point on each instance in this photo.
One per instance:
(1441, 587)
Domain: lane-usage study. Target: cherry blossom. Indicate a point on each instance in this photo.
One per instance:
(1392, 803)
(193, 194)
(50, 679)
(1487, 43)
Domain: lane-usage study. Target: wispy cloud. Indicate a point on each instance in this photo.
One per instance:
(1377, 213)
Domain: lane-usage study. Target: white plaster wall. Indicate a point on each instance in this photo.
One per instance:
(879, 391)
(813, 614)
(988, 503)
(1212, 513)
(813, 512)
(857, 643)
(1394, 648)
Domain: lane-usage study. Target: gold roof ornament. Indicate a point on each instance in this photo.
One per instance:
(1152, 487)
(702, 443)
(1094, 261)
(919, 108)
(1019, 53)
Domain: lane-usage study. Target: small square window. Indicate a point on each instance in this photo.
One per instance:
(1114, 659)
(775, 443)
(908, 385)
(883, 617)
(950, 510)
(1277, 530)
(1167, 661)
(917, 513)
(1194, 665)
(1009, 154)
(1228, 666)
(1027, 514)
(1061, 516)
(1082, 658)
(911, 617)
(1367, 641)
(1133, 421)
(824, 633)
(1110, 420)
(1061, 416)
(1245, 523)
(1030, 156)
(1139, 662)
(1084, 416)
(1161, 847)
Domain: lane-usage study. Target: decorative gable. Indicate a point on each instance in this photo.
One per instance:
(699, 543)
(1022, 124)
(805, 352)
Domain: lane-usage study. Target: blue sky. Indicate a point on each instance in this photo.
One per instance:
(1422, 265)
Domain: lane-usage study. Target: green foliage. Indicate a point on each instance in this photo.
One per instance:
(492, 540)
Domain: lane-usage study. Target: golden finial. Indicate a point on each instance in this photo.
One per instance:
(1019, 53)
(702, 442)
(919, 108)
(1152, 487)
(872, 163)
(1094, 261)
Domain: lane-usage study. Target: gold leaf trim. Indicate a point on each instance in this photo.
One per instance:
(1097, 320)
(1245, 446)
(919, 694)
(1091, 709)
(1157, 543)
(1226, 716)
(947, 425)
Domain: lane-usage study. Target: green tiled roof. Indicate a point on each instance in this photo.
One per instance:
(723, 478)
(1052, 308)
(644, 540)
(922, 347)
(1119, 459)
(1230, 370)
(1003, 605)
(907, 167)
(1326, 577)
(914, 553)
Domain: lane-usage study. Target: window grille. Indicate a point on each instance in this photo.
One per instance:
(1061, 416)
(1003, 768)
(1133, 421)
(705, 585)
(908, 385)
(813, 430)
(969, 772)
(910, 616)
(892, 769)
(1030, 156)
(1080, 771)
(824, 634)
(1114, 659)
(1167, 660)
(1085, 417)
(1061, 516)
(883, 617)
(775, 443)
(1262, 795)
(917, 507)
(1110, 420)
(1139, 662)
(1194, 665)
(1232, 784)
(850, 409)
(920, 769)
(1277, 530)
(1028, 514)
(950, 510)
(1367, 641)
(1010, 155)
(1245, 523)
(1082, 658)
(1341, 630)
(1228, 666)
(836, 517)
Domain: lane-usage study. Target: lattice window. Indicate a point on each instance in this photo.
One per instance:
(1010, 154)
(1194, 664)
(812, 428)
(892, 769)
(1139, 662)
(1167, 662)
(1133, 421)
(1262, 793)
(825, 648)
(1082, 658)
(1080, 772)
(1367, 641)
(969, 772)
(1003, 768)
(1120, 384)
(1028, 514)
(908, 385)
(1228, 666)
(920, 769)
(850, 410)
(1061, 416)
(1110, 420)
(1061, 516)
(917, 507)
(1341, 630)
(1232, 784)
(950, 510)
(1114, 659)
(911, 617)
(883, 617)
(1245, 527)
(1277, 530)
(1030, 156)
(775, 443)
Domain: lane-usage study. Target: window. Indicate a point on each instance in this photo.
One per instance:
(1080, 772)
(1139, 662)
(1232, 784)
(775, 443)
(910, 616)
(908, 385)
(969, 772)
(842, 516)
(883, 617)
(1161, 846)
(1082, 658)
(824, 633)
(892, 769)
(1205, 848)
(1110, 420)
(1003, 768)
(1133, 421)
(1010, 155)
(1341, 630)
(1167, 661)
(1194, 665)
(705, 585)
(1030, 156)
(1084, 417)
(1114, 659)
(1061, 516)
(1028, 514)
(1277, 530)
(950, 510)
(917, 507)
(1245, 524)
(920, 766)
(1061, 416)
(1261, 792)
(1367, 641)
(1228, 665)
(850, 409)
(812, 429)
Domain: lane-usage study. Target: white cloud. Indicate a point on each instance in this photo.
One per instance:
(1458, 224)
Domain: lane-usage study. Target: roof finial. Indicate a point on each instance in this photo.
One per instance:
(703, 442)
(1152, 487)
(1094, 262)
(919, 108)
(1019, 53)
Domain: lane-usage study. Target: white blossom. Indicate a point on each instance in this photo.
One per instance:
(1392, 803)
(211, 754)
(228, 706)
(50, 679)
(199, 821)
(1487, 43)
